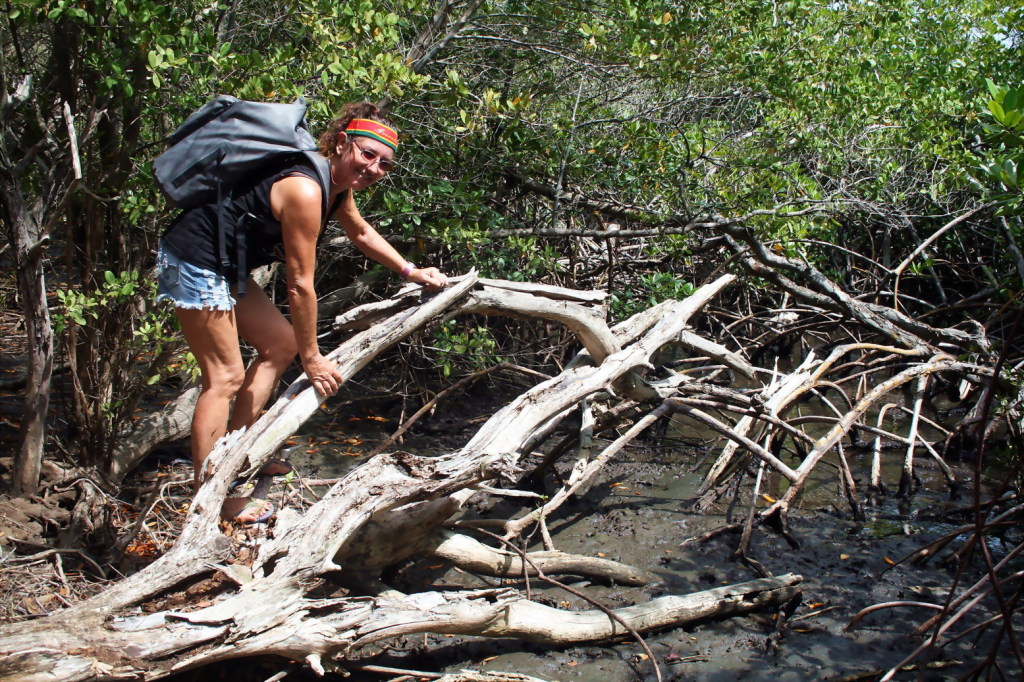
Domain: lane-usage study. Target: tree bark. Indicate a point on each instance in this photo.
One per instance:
(39, 332)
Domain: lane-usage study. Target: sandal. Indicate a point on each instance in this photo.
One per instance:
(253, 505)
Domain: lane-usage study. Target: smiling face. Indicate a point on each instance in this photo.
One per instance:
(359, 161)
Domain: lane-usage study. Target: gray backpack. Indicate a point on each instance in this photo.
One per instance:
(223, 143)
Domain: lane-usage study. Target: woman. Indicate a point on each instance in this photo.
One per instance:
(282, 209)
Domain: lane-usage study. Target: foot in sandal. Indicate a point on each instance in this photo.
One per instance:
(247, 511)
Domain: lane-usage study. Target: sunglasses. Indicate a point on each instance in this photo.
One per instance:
(371, 157)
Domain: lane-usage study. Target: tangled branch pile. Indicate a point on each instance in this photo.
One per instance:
(394, 506)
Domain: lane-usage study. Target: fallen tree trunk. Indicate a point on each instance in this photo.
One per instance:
(153, 646)
(393, 507)
(266, 607)
(153, 430)
(546, 625)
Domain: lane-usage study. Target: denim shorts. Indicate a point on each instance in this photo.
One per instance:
(190, 286)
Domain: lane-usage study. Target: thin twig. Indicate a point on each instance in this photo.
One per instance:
(429, 405)
(56, 550)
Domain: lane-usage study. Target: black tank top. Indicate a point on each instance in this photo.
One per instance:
(194, 234)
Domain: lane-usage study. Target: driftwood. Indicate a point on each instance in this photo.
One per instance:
(268, 607)
(476, 557)
(395, 506)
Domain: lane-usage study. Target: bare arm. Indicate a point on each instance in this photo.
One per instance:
(375, 247)
(295, 201)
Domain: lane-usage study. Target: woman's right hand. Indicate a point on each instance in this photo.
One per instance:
(323, 374)
(432, 278)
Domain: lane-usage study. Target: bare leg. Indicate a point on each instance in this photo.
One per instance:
(263, 326)
(213, 338)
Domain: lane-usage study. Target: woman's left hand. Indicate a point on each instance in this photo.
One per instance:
(432, 278)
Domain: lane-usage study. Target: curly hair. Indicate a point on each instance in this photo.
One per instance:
(328, 139)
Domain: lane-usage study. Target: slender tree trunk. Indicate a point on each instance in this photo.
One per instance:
(39, 330)
(26, 230)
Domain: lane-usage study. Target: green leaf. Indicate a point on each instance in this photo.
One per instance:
(1009, 173)
(997, 110)
(110, 277)
(1010, 100)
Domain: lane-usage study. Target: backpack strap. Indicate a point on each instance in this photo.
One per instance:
(322, 167)
(242, 272)
(223, 201)
(241, 276)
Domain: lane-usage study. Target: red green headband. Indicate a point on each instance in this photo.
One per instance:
(373, 130)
